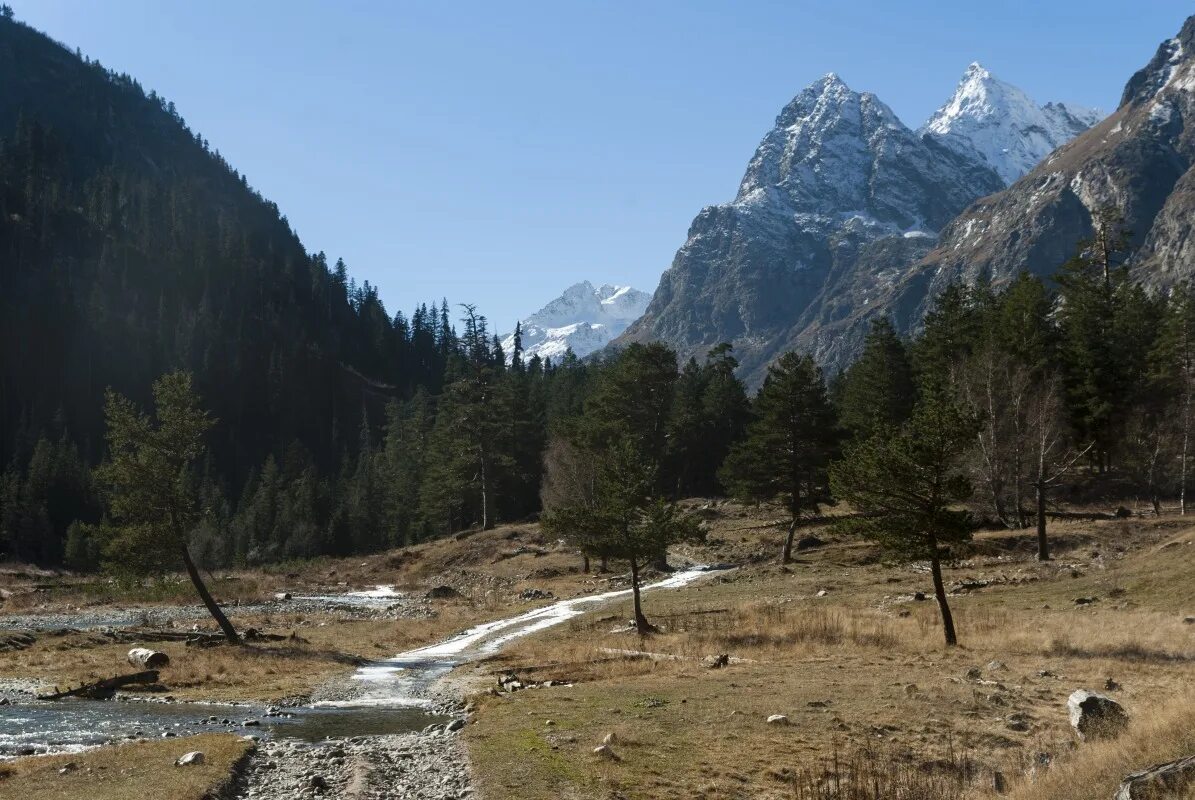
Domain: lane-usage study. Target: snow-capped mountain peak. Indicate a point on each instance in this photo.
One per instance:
(582, 318)
(1001, 126)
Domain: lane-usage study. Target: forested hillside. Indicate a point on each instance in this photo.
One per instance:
(129, 247)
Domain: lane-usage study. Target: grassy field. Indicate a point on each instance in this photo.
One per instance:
(127, 772)
(838, 642)
(861, 674)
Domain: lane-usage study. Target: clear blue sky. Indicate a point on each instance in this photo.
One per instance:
(495, 152)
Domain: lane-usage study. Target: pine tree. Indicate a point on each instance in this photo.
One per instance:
(906, 483)
(624, 518)
(151, 500)
(789, 444)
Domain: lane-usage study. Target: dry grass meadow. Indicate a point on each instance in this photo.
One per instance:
(127, 772)
(838, 642)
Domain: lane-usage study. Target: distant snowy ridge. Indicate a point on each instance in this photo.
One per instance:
(583, 319)
(999, 125)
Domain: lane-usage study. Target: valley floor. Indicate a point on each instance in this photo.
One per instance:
(837, 642)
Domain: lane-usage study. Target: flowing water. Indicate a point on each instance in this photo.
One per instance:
(392, 698)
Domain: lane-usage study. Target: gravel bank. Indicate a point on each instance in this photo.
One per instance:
(427, 766)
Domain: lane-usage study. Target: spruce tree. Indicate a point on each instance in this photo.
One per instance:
(789, 444)
(877, 390)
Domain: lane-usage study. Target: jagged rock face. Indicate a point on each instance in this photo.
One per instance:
(583, 319)
(1139, 161)
(800, 244)
(999, 125)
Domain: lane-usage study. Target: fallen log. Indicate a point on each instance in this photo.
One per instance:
(105, 688)
(148, 659)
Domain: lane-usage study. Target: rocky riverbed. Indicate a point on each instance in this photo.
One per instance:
(428, 766)
(381, 602)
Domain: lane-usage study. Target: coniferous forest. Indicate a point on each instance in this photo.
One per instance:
(129, 248)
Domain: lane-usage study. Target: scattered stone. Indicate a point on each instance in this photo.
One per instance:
(1159, 781)
(1094, 716)
(1085, 601)
(823, 592)
(609, 739)
(442, 593)
(918, 596)
(809, 542)
(193, 758)
(911, 690)
(281, 595)
(68, 767)
(1122, 513)
(974, 674)
(995, 666)
(777, 719)
(1189, 620)
(716, 662)
(318, 782)
(604, 751)
(535, 594)
(455, 725)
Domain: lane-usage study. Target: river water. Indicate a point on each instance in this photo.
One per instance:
(393, 696)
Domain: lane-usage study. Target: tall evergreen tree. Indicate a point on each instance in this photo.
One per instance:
(151, 499)
(624, 518)
(790, 442)
(877, 390)
(907, 483)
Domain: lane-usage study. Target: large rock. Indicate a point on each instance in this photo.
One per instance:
(194, 758)
(148, 659)
(1159, 781)
(1095, 716)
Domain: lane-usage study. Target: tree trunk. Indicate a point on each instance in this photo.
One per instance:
(1043, 544)
(487, 521)
(1182, 486)
(935, 565)
(641, 624)
(585, 563)
(786, 555)
(230, 633)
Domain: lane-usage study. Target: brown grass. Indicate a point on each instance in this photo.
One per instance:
(266, 671)
(879, 708)
(127, 772)
(1157, 734)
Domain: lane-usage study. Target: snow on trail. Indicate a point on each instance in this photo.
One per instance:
(398, 681)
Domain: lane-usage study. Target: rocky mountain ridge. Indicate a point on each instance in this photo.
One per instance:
(998, 124)
(1138, 162)
(838, 200)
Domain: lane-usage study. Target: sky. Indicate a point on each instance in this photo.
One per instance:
(497, 152)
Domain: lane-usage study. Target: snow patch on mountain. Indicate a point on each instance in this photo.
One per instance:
(1001, 126)
(583, 319)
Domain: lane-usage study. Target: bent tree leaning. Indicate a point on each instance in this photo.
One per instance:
(152, 504)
